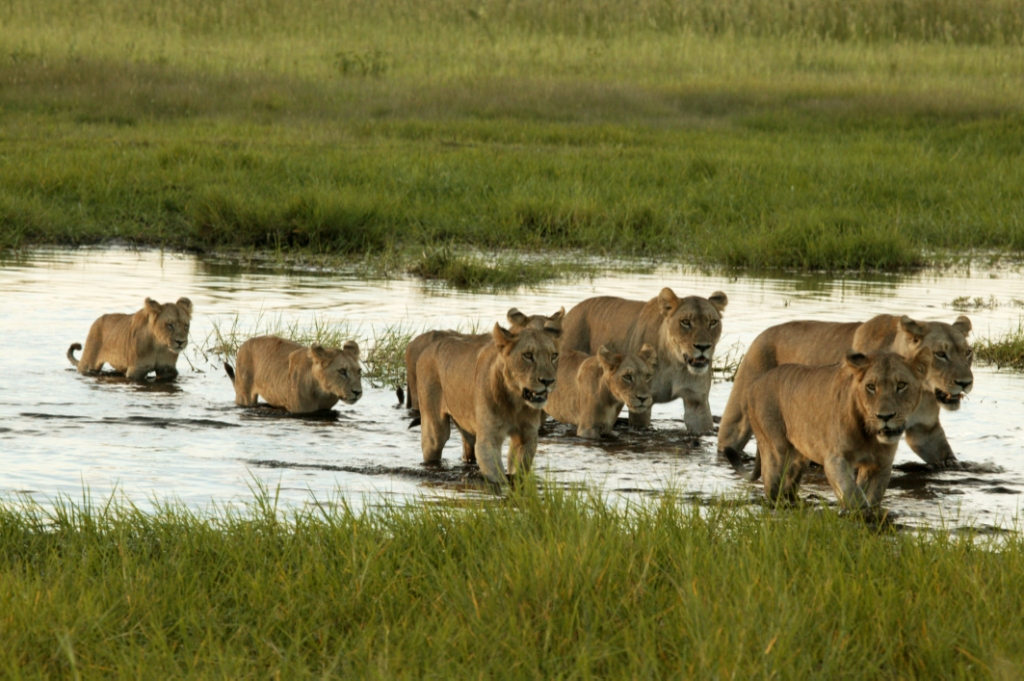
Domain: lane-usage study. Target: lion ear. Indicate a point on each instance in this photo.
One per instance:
(857, 360)
(609, 360)
(557, 317)
(719, 300)
(153, 307)
(963, 325)
(317, 353)
(351, 347)
(649, 354)
(915, 329)
(516, 318)
(502, 336)
(668, 301)
(922, 362)
(185, 304)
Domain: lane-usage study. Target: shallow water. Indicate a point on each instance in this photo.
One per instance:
(61, 432)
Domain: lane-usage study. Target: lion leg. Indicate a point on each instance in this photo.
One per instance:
(166, 372)
(843, 479)
(488, 457)
(930, 443)
(412, 397)
(90, 361)
(521, 450)
(873, 482)
(772, 471)
(697, 415)
(136, 373)
(435, 429)
(734, 431)
(468, 445)
(640, 420)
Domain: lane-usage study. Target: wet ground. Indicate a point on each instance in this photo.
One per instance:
(61, 433)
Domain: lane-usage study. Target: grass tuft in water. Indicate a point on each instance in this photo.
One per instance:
(543, 584)
(473, 272)
(1003, 351)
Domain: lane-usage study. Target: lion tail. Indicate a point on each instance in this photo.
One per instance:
(231, 371)
(71, 353)
(415, 422)
(755, 473)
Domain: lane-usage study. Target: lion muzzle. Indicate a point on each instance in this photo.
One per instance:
(536, 398)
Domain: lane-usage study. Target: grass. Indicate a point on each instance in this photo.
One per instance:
(1003, 351)
(383, 354)
(470, 271)
(544, 585)
(818, 135)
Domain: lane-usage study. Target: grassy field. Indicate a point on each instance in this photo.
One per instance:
(538, 585)
(825, 136)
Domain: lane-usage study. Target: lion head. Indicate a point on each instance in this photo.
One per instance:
(887, 389)
(338, 371)
(529, 361)
(692, 326)
(168, 323)
(950, 375)
(629, 376)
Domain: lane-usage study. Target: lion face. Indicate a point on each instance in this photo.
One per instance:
(338, 372)
(529, 359)
(691, 327)
(950, 376)
(888, 389)
(629, 376)
(169, 323)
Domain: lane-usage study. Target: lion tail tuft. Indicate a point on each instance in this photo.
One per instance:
(231, 371)
(71, 353)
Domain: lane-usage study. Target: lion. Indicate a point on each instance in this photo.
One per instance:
(818, 343)
(291, 376)
(491, 391)
(592, 389)
(683, 331)
(516, 319)
(136, 344)
(848, 417)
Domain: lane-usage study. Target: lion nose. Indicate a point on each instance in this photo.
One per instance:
(357, 393)
(885, 417)
(642, 398)
(964, 385)
(548, 382)
(703, 347)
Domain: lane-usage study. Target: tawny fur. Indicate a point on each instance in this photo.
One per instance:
(136, 344)
(848, 417)
(684, 331)
(592, 389)
(294, 377)
(493, 392)
(818, 343)
(516, 319)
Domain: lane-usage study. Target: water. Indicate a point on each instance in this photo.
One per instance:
(61, 433)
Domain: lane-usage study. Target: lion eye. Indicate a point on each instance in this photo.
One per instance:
(941, 355)
(628, 378)
(528, 356)
(170, 326)
(713, 323)
(554, 356)
(685, 323)
(870, 388)
(901, 386)
(648, 377)
(343, 372)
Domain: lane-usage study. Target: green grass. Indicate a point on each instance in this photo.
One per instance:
(819, 135)
(550, 585)
(1003, 351)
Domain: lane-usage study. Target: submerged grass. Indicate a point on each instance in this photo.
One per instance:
(540, 584)
(817, 135)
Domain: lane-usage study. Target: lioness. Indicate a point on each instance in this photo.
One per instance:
(684, 331)
(299, 379)
(592, 389)
(516, 319)
(848, 417)
(135, 344)
(819, 343)
(491, 391)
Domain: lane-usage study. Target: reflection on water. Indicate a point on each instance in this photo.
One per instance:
(60, 432)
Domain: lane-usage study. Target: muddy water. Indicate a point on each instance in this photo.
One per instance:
(61, 432)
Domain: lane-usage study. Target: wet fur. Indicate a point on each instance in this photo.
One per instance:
(480, 387)
(831, 415)
(819, 343)
(593, 389)
(136, 344)
(291, 376)
(627, 325)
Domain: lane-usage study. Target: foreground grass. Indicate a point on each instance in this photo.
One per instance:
(818, 137)
(538, 585)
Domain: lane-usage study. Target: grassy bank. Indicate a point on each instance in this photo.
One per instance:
(551, 585)
(824, 136)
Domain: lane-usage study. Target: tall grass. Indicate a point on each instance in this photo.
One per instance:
(1003, 351)
(540, 585)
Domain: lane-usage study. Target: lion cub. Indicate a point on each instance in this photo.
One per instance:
(299, 379)
(136, 344)
(848, 417)
(592, 389)
(491, 391)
